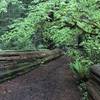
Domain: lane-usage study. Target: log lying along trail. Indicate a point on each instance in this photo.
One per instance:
(14, 63)
(93, 85)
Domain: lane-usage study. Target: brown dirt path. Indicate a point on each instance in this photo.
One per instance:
(52, 81)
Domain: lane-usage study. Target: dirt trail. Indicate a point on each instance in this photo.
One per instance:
(52, 81)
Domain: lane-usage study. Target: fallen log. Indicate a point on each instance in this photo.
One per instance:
(21, 55)
(93, 90)
(93, 85)
(96, 70)
(95, 78)
(11, 62)
(10, 68)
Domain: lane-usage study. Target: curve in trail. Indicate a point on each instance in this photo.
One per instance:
(52, 81)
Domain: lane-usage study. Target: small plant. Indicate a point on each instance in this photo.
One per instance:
(73, 53)
(81, 67)
(92, 47)
(83, 89)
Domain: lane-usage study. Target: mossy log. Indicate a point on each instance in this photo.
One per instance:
(11, 66)
(93, 85)
(96, 70)
(93, 90)
(95, 78)
(22, 55)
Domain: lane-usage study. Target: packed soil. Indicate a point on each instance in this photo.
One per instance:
(51, 81)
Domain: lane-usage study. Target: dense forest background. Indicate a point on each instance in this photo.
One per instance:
(71, 25)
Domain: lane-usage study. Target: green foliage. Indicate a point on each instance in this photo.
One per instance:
(4, 4)
(81, 67)
(20, 34)
(13, 9)
(92, 47)
(73, 53)
(19, 37)
(83, 89)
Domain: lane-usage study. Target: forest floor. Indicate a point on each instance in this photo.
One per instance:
(51, 81)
